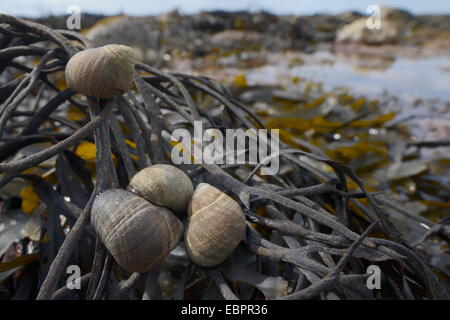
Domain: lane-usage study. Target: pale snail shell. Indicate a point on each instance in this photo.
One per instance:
(164, 185)
(104, 72)
(137, 233)
(215, 227)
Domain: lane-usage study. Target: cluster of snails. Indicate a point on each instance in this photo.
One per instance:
(139, 227)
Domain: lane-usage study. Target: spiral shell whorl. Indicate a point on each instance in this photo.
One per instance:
(137, 233)
(120, 54)
(216, 226)
(163, 185)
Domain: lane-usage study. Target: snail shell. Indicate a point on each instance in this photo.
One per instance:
(104, 72)
(164, 185)
(215, 227)
(137, 233)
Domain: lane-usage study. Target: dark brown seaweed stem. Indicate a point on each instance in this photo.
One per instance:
(240, 189)
(152, 290)
(105, 179)
(128, 285)
(97, 265)
(329, 281)
(15, 167)
(35, 122)
(132, 123)
(430, 144)
(140, 112)
(21, 51)
(187, 274)
(299, 230)
(64, 291)
(106, 272)
(103, 176)
(39, 30)
(122, 147)
(322, 188)
(32, 79)
(156, 121)
(289, 227)
(431, 281)
(178, 84)
(59, 263)
(224, 289)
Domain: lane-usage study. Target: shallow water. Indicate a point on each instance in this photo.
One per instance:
(409, 79)
(418, 87)
(410, 86)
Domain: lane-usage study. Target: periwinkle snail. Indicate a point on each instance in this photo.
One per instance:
(215, 227)
(139, 228)
(164, 185)
(137, 233)
(104, 72)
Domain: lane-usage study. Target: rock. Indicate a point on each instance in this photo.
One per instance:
(429, 28)
(237, 39)
(173, 16)
(349, 16)
(389, 13)
(217, 21)
(357, 31)
(208, 22)
(133, 32)
(201, 33)
(437, 47)
(394, 24)
(317, 28)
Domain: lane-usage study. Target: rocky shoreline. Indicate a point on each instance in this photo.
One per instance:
(261, 49)
(209, 32)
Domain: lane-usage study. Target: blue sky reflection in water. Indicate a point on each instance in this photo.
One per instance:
(409, 78)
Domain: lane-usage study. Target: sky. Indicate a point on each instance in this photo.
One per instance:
(37, 8)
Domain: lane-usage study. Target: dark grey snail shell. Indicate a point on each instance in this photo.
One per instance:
(137, 233)
(164, 185)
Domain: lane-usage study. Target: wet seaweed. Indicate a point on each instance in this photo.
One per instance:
(304, 240)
